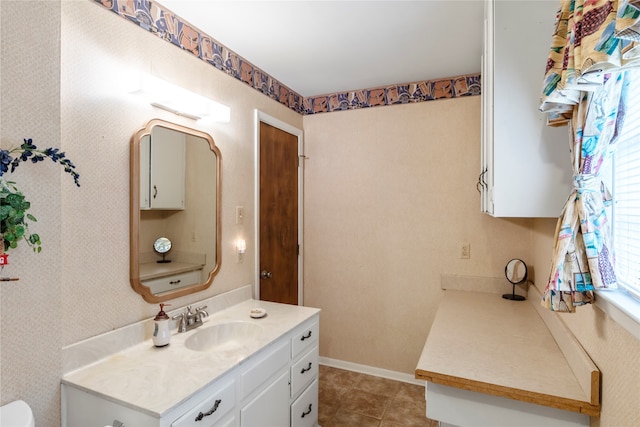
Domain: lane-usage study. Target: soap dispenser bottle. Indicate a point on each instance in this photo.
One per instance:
(161, 333)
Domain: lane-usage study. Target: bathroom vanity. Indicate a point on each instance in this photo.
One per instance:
(235, 370)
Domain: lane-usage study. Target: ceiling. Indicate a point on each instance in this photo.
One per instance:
(320, 47)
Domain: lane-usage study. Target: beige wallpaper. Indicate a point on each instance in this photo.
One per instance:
(70, 91)
(390, 197)
(614, 350)
(30, 308)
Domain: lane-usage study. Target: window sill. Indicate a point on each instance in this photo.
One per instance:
(622, 308)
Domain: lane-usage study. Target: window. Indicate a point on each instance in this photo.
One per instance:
(624, 305)
(626, 194)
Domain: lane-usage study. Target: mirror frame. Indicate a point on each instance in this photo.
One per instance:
(134, 210)
(511, 263)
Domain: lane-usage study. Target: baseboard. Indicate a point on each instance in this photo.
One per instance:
(370, 370)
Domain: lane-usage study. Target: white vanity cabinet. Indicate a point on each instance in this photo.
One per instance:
(162, 170)
(276, 386)
(292, 398)
(525, 164)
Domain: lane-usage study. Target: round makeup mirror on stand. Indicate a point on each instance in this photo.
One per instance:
(516, 273)
(162, 246)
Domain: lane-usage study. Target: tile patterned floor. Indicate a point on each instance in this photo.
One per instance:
(350, 399)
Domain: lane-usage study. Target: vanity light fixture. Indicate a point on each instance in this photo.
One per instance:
(180, 101)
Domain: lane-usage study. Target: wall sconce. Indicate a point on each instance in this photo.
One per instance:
(241, 248)
(180, 101)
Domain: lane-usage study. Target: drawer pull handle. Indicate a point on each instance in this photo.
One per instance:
(307, 412)
(214, 409)
(304, 337)
(308, 368)
(174, 282)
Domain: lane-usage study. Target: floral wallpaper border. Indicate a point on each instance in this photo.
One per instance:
(157, 20)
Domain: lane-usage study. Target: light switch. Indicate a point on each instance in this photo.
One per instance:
(239, 215)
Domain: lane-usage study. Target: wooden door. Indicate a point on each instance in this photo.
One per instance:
(278, 215)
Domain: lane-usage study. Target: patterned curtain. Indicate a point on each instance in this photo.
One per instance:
(584, 86)
(592, 37)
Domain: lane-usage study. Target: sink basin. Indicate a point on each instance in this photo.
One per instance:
(223, 336)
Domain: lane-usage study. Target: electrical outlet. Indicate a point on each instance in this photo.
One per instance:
(239, 215)
(465, 251)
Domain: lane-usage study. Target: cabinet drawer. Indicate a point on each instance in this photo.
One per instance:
(169, 283)
(304, 371)
(221, 401)
(265, 366)
(305, 337)
(304, 411)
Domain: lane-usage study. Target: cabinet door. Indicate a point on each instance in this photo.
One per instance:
(527, 162)
(167, 167)
(145, 172)
(270, 408)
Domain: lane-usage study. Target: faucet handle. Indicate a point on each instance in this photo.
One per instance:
(182, 324)
(200, 311)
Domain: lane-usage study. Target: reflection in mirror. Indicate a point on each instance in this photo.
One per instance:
(516, 273)
(175, 193)
(162, 246)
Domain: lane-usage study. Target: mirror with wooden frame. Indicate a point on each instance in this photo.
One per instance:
(175, 195)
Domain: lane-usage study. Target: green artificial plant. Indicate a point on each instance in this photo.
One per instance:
(14, 218)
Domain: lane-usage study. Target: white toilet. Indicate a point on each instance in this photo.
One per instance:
(16, 414)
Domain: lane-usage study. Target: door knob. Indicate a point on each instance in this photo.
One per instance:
(264, 274)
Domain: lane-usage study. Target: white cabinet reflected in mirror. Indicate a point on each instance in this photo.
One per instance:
(175, 193)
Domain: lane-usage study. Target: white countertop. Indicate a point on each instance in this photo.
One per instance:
(156, 380)
(482, 342)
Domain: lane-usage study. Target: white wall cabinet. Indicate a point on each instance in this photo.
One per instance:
(162, 170)
(525, 164)
(275, 387)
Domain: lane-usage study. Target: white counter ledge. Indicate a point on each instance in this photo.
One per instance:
(483, 343)
(156, 380)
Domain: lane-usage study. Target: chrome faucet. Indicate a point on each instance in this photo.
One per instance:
(189, 320)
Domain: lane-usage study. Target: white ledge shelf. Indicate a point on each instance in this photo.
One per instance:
(483, 343)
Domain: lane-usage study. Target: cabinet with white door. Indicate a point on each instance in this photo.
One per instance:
(525, 164)
(162, 170)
